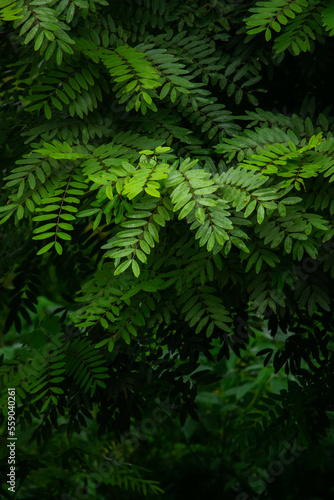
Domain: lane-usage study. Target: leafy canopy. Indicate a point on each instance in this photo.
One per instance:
(154, 196)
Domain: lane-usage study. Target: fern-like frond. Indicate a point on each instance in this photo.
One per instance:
(135, 78)
(327, 15)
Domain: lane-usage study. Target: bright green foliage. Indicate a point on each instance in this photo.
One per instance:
(132, 74)
(154, 196)
(328, 17)
(299, 22)
(10, 11)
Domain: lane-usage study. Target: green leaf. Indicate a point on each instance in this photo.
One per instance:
(260, 214)
(281, 209)
(211, 242)
(147, 97)
(200, 215)
(57, 390)
(135, 268)
(47, 111)
(87, 213)
(268, 35)
(209, 329)
(31, 181)
(165, 90)
(30, 205)
(121, 268)
(291, 200)
(56, 380)
(39, 40)
(46, 248)
(104, 323)
(20, 212)
(59, 248)
(64, 236)
(126, 337)
(44, 228)
(31, 34)
(38, 387)
(186, 209)
(152, 191)
(59, 56)
(57, 103)
(288, 244)
(250, 208)
(276, 26)
(102, 343)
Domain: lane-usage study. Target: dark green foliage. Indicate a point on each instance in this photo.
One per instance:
(164, 196)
